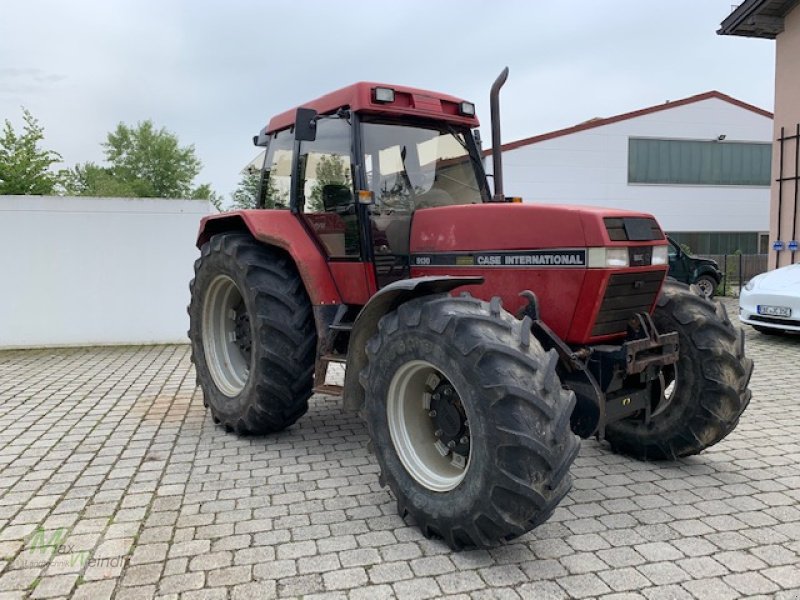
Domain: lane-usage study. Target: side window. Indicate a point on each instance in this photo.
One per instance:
(326, 188)
(278, 169)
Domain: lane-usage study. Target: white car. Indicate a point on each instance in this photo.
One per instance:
(770, 302)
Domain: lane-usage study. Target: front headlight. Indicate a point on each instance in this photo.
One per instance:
(608, 257)
(751, 285)
(660, 255)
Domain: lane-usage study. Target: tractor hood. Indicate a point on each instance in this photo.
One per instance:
(591, 268)
(514, 226)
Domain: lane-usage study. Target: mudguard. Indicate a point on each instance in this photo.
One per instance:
(281, 229)
(366, 324)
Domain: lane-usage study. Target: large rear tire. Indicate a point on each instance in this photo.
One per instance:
(252, 335)
(468, 419)
(708, 390)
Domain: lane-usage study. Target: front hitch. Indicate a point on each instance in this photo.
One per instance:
(648, 347)
(610, 382)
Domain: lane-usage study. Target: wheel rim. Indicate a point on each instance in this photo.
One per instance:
(433, 445)
(705, 287)
(226, 336)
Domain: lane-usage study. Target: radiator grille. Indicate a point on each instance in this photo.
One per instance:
(632, 229)
(626, 295)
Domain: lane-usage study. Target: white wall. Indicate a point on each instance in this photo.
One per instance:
(591, 167)
(83, 271)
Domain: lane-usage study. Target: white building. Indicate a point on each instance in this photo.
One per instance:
(96, 271)
(701, 165)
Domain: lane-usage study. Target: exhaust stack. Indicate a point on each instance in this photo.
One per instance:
(497, 161)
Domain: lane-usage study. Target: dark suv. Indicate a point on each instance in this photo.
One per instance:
(703, 272)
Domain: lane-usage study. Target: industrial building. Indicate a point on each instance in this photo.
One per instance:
(701, 165)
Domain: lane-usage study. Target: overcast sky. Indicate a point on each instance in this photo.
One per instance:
(214, 72)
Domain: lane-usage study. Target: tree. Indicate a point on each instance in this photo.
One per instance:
(246, 193)
(24, 165)
(204, 192)
(144, 162)
(89, 179)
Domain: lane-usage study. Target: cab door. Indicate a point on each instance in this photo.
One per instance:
(326, 200)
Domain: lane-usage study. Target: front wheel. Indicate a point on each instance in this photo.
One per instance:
(705, 391)
(468, 419)
(707, 285)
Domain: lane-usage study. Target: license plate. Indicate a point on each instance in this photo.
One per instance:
(774, 311)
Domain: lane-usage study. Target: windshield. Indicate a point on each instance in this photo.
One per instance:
(410, 167)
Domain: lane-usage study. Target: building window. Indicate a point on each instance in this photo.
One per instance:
(718, 242)
(692, 162)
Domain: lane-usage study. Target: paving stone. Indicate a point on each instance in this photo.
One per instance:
(710, 589)
(417, 588)
(457, 583)
(49, 587)
(624, 579)
(702, 566)
(181, 583)
(751, 583)
(787, 577)
(115, 444)
(658, 551)
(663, 573)
(584, 586)
(345, 579)
(262, 590)
(775, 555)
(543, 590)
(142, 574)
(98, 590)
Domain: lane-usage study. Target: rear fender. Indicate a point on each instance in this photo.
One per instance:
(282, 229)
(366, 324)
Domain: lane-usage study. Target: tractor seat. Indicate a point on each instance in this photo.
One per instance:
(338, 198)
(433, 197)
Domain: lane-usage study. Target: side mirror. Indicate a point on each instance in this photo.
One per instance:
(305, 125)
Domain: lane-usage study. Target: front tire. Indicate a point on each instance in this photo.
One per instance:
(707, 285)
(468, 419)
(710, 382)
(252, 335)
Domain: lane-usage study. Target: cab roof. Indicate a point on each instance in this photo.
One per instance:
(359, 97)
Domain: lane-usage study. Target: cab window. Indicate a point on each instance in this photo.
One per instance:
(326, 194)
(278, 170)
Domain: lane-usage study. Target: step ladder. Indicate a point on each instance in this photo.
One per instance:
(338, 327)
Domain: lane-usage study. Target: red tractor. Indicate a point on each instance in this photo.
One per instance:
(374, 218)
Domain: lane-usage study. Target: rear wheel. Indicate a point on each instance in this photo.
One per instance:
(252, 335)
(705, 391)
(468, 419)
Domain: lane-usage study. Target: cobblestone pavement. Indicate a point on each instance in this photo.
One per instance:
(109, 455)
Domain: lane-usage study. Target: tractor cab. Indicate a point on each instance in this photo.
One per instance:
(366, 158)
